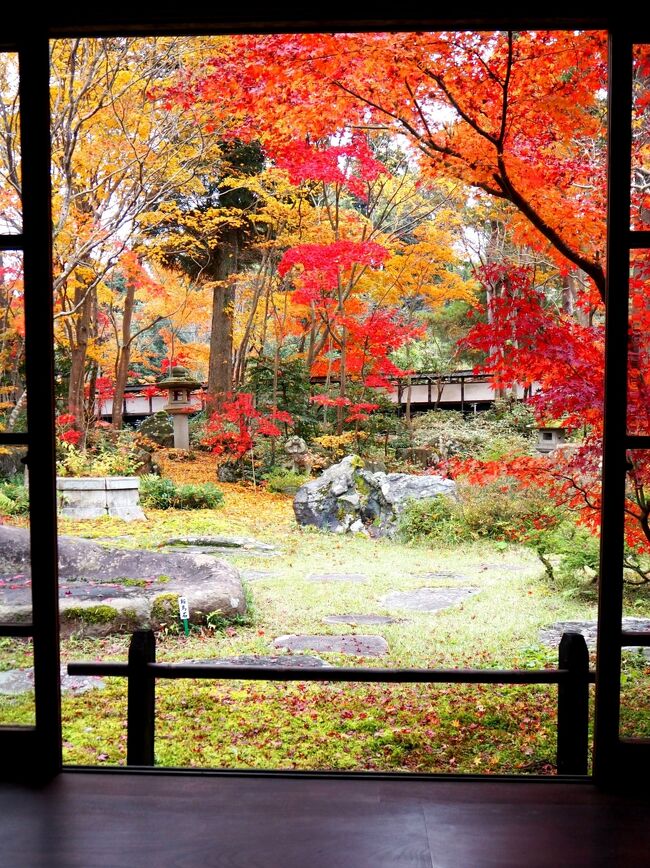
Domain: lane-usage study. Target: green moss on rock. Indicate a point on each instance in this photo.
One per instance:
(164, 607)
(101, 614)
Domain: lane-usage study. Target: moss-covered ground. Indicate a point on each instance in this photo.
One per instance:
(443, 728)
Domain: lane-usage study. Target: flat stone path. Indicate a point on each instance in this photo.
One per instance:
(427, 599)
(301, 661)
(552, 634)
(445, 574)
(360, 619)
(359, 646)
(255, 575)
(220, 545)
(357, 578)
(16, 681)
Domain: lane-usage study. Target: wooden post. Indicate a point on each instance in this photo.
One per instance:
(141, 711)
(573, 706)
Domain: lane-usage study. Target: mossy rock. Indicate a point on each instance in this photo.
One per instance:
(164, 610)
(158, 428)
(98, 620)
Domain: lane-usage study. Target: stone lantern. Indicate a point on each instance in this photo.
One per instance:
(179, 386)
(549, 438)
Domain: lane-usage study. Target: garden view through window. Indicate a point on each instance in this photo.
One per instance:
(329, 342)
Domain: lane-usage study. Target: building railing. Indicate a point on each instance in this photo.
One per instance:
(572, 676)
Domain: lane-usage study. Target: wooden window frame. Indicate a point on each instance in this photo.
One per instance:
(35, 752)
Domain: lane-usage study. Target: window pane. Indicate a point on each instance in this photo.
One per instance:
(13, 404)
(638, 406)
(16, 682)
(10, 205)
(15, 575)
(641, 139)
(635, 693)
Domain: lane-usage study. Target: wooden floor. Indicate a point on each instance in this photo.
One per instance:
(89, 820)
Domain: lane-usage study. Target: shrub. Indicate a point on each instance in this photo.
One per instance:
(157, 492)
(204, 496)
(285, 481)
(504, 510)
(160, 493)
(496, 511)
(14, 498)
(107, 453)
(449, 434)
(432, 519)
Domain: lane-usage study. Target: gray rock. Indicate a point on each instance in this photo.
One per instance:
(301, 661)
(358, 646)
(551, 635)
(222, 542)
(349, 498)
(427, 599)
(16, 681)
(105, 590)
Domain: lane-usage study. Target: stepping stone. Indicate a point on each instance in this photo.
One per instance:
(359, 646)
(222, 542)
(510, 568)
(445, 574)
(427, 599)
(254, 575)
(360, 619)
(16, 681)
(218, 552)
(302, 661)
(551, 635)
(358, 578)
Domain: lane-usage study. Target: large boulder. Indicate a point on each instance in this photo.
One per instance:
(348, 497)
(104, 590)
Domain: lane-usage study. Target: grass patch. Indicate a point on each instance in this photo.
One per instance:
(446, 728)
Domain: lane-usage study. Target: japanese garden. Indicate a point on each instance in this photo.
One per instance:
(329, 347)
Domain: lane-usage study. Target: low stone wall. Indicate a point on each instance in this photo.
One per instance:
(96, 496)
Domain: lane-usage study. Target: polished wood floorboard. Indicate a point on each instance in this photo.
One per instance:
(89, 820)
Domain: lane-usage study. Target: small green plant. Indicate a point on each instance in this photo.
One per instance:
(285, 481)
(14, 498)
(204, 496)
(217, 622)
(157, 492)
(160, 493)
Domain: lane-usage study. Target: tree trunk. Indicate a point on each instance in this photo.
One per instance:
(123, 359)
(569, 292)
(78, 351)
(223, 302)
